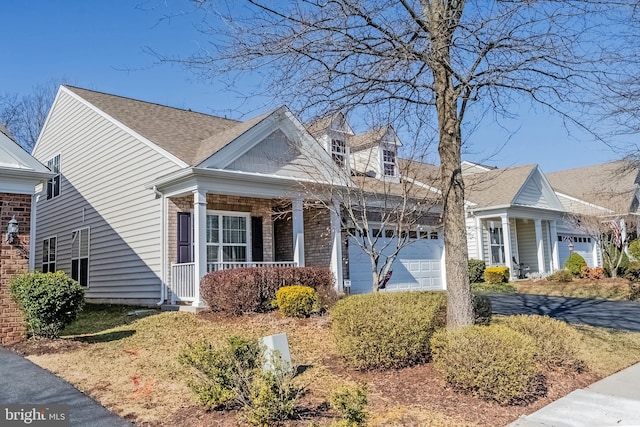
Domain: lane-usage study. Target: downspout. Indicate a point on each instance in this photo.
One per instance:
(163, 241)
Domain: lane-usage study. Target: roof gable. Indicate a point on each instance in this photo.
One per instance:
(613, 186)
(519, 185)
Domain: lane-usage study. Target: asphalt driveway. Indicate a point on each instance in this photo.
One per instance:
(621, 315)
(23, 382)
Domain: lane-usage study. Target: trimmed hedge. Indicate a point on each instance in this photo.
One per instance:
(476, 270)
(496, 275)
(556, 342)
(248, 290)
(49, 301)
(493, 362)
(297, 301)
(574, 263)
(482, 309)
(387, 330)
(563, 275)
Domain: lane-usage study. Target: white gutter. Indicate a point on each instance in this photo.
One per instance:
(163, 243)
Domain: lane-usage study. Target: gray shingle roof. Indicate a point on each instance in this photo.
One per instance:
(611, 185)
(497, 187)
(188, 135)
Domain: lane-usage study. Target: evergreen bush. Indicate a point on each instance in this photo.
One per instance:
(563, 275)
(351, 403)
(297, 301)
(476, 270)
(557, 343)
(574, 264)
(387, 330)
(49, 301)
(496, 275)
(493, 362)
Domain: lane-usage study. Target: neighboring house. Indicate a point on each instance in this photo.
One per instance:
(147, 198)
(21, 178)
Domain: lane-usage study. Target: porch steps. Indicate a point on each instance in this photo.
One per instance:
(183, 308)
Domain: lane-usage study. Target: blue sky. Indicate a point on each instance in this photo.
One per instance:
(103, 45)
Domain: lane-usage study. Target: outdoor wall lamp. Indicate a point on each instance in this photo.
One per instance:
(12, 230)
(570, 246)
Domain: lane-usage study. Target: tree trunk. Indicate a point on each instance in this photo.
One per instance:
(459, 307)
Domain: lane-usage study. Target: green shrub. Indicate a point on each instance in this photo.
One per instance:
(492, 287)
(49, 301)
(387, 330)
(493, 362)
(476, 270)
(633, 271)
(496, 275)
(634, 249)
(297, 301)
(233, 377)
(556, 342)
(351, 403)
(222, 375)
(249, 290)
(273, 397)
(482, 309)
(574, 264)
(560, 276)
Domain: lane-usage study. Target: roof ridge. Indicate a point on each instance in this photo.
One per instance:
(186, 110)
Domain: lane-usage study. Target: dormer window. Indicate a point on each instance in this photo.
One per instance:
(338, 151)
(389, 162)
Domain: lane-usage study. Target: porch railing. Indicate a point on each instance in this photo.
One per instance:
(183, 276)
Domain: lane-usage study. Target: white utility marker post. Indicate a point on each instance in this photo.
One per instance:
(276, 352)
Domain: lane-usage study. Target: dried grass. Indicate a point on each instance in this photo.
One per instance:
(133, 370)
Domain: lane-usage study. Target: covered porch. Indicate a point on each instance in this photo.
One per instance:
(208, 229)
(528, 245)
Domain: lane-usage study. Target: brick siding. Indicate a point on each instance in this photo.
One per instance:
(14, 259)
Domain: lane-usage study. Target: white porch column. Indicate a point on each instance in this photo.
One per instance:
(480, 239)
(298, 232)
(506, 235)
(555, 255)
(539, 245)
(199, 244)
(336, 246)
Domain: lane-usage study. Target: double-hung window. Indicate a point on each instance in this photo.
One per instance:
(227, 239)
(389, 162)
(496, 243)
(80, 256)
(49, 255)
(53, 185)
(338, 151)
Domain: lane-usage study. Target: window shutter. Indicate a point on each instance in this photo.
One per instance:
(256, 239)
(184, 237)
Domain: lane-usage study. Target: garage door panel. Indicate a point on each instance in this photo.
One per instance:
(418, 267)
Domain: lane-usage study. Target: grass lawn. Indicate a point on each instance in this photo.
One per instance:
(612, 289)
(130, 365)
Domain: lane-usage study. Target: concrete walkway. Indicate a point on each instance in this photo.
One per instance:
(612, 401)
(24, 382)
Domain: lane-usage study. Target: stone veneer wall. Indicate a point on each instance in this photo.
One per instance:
(14, 259)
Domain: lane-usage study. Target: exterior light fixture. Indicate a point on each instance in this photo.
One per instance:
(12, 230)
(570, 246)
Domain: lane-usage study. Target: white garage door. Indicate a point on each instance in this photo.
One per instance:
(581, 245)
(417, 267)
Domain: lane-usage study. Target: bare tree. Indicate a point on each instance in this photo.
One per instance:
(425, 63)
(24, 115)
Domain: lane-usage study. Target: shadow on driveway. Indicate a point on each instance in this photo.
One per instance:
(620, 315)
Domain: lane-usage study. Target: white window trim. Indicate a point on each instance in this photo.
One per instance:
(58, 176)
(383, 162)
(78, 230)
(498, 245)
(55, 261)
(219, 213)
(344, 153)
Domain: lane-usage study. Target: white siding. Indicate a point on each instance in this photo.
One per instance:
(276, 155)
(527, 245)
(531, 194)
(367, 160)
(104, 171)
(472, 238)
